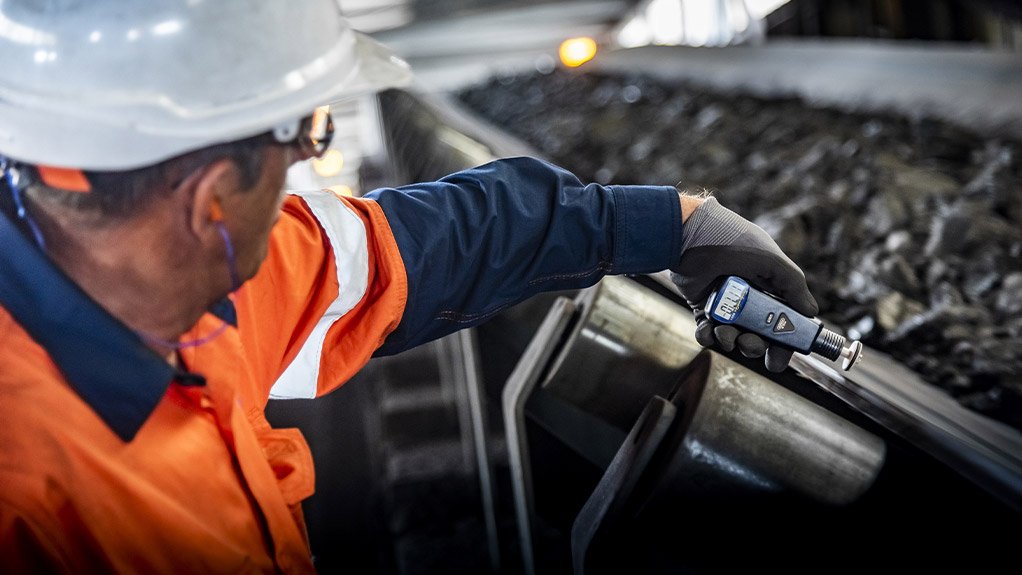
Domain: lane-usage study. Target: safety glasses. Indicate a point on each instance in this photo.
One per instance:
(311, 135)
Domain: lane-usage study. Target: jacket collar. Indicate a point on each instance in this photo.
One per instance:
(105, 362)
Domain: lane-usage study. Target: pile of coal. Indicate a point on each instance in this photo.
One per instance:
(909, 229)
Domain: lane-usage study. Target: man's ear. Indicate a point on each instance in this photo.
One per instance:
(207, 188)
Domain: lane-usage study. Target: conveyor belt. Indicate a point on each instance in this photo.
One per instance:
(985, 451)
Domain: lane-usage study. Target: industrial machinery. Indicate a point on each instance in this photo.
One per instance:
(587, 431)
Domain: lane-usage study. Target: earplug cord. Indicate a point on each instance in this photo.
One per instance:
(232, 268)
(18, 180)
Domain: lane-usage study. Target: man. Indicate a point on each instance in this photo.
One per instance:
(157, 287)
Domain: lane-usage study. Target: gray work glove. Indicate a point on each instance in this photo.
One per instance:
(717, 243)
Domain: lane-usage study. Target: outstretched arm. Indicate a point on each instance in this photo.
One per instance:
(480, 240)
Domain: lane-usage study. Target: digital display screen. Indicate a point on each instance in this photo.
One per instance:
(729, 302)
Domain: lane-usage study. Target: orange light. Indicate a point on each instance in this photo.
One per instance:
(330, 164)
(341, 190)
(577, 51)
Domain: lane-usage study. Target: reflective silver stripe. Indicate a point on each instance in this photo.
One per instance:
(348, 240)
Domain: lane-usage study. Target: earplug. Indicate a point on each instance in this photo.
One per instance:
(215, 212)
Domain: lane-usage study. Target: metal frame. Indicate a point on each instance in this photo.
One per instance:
(459, 364)
(519, 386)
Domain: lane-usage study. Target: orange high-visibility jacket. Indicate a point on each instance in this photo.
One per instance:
(112, 461)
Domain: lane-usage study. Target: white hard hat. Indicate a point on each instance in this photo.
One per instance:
(116, 84)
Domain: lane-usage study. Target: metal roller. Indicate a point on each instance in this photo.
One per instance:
(627, 346)
(741, 432)
(729, 457)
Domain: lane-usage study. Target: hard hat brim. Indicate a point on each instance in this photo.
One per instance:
(63, 137)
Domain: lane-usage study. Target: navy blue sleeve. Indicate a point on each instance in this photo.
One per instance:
(480, 240)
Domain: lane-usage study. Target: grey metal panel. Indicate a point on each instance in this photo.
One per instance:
(969, 86)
